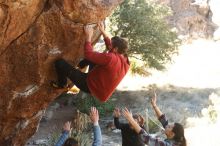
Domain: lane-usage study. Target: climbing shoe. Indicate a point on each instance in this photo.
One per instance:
(55, 85)
(70, 89)
(73, 90)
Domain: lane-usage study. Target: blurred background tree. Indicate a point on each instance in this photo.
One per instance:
(150, 38)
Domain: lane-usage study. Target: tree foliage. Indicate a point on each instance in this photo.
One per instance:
(150, 38)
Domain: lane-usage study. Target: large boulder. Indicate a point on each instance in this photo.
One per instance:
(33, 34)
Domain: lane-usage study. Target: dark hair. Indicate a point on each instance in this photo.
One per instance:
(179, 137)
(70, 142)
(139, 119)
(121, 44)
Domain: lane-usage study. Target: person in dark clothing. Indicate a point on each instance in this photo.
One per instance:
(174, 132)
(129, 136)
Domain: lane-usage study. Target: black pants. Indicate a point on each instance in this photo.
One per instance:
(86, 62)
(65, 70)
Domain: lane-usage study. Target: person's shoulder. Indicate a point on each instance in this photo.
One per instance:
(118, 56)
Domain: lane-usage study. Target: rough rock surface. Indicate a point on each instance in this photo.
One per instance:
(192, 18)
(34, 33)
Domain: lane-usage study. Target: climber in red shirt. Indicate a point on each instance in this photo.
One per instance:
(108, 69)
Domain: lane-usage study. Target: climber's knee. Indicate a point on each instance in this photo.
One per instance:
(60, 63)
(63, 66)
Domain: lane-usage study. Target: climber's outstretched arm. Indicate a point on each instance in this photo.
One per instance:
(88, 30)
(105, 35)
(90, 54)
(102, 29)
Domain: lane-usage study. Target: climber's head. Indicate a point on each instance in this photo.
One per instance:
(120, 45)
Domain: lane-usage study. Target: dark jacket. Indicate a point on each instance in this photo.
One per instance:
(129, 136)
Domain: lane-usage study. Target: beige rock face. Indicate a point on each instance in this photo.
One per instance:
(191, 18)
(34, 33)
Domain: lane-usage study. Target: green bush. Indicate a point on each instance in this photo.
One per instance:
(137, 68)
(87, 101)
(149, 36)
(152, 126)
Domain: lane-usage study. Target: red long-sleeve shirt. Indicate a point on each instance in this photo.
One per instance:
(110, 69)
